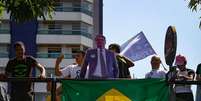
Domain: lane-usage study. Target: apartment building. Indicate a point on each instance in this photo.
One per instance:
(70, 29)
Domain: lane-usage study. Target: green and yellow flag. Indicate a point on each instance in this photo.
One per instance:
(115, 90)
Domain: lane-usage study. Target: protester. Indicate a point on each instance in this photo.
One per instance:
(101, 63)
(22, 66)
(183, 91)
(123, 63)
(70, 72)
(198, 78)
(155, 72)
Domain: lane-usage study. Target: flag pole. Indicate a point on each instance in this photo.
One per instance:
(163, 66)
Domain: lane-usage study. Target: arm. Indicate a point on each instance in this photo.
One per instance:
(198, 77)
(84, 66)
(42, 70)
(8, 69)
(34, 63)
(129, 62)
(190, 76)
(57, 67)
(115, 67)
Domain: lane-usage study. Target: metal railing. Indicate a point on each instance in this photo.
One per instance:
(55, 80)
(55, 32)
(3, 54)
(52, 80)
(4, 31)
(64, 32)
(54, 55)
(74, 9)
(43, 55)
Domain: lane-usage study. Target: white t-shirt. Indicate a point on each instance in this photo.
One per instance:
(155, 73)
(72, 71)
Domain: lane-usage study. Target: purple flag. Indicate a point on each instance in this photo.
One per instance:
(137, 48)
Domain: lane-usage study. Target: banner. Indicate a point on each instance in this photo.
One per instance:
(25, 32)
(137, 48)
(115, 90)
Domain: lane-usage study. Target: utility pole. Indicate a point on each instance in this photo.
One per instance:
(98, 18)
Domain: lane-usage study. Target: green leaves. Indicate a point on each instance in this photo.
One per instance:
(194, 5)
(1, 8)
(24, 10)
(200, 23)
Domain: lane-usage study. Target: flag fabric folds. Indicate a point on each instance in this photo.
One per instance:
(137, 48)
(115, 90)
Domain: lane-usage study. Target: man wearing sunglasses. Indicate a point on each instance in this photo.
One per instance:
(183, 92)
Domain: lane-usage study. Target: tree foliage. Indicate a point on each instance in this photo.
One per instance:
(195, 5)
(24, 10)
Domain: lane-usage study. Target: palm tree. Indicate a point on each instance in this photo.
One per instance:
(24, 10)
(195, 5)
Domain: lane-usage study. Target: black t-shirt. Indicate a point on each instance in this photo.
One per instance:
(20, 68)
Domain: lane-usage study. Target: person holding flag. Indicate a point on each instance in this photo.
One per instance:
(123, 63)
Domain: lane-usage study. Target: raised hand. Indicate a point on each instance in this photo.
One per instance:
(59, 59)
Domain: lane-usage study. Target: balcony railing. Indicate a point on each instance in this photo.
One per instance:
(55, 31)
(3, 55)
(4, 31)
(54, 55)
(42, 55)
(74, 9)
(65, 32)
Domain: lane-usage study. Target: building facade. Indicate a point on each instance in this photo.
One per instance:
(70, 29)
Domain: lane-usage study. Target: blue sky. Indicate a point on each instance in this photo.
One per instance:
(123, 19)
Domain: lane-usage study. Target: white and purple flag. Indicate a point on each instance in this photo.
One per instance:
(137, 48)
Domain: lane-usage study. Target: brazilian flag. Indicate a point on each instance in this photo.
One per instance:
(115, 90)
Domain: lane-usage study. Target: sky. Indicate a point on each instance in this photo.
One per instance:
(123, 19)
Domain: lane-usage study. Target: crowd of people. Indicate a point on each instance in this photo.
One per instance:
(97, 63)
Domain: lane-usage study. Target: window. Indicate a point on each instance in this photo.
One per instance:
(55, 29)
(76, 28)
(74, 51)
(58, 6)
(76, 6)
(54, 52)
